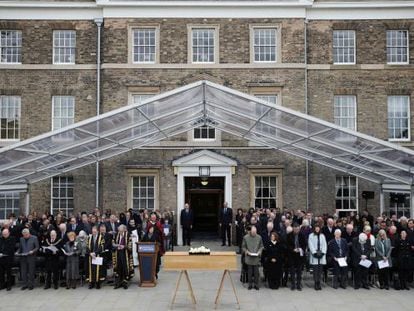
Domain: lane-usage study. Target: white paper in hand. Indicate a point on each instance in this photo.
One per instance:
(342, 262)
(365, 263)
(98, 261)
(383, 264)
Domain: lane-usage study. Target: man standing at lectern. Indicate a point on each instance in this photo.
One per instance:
(186, 219)
(225, 221)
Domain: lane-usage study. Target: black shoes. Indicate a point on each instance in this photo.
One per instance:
(256, 287)
(125, 286)
(91, 285)
(24, 288)
(250, 287)
(30, 287)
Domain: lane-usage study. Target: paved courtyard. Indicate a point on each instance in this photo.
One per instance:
(205, 286)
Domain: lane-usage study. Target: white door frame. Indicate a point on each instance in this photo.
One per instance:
(188, 166)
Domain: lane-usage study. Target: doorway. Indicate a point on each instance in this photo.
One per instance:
(205, 198)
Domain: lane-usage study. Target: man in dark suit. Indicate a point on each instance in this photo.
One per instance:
(187, 219)
(112, 226)
(329, 229)
(73, 226)
(7, 247)
(296, 245)
(338, 248)
(225, 221)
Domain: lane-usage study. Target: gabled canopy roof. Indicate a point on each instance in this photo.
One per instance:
(205, 103)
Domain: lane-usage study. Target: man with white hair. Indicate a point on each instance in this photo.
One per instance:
(29, 245)
(63, 234)
(338, 249)
(252, 247)
(122, 257)
(361, 250)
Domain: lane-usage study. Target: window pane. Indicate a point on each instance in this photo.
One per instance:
(143, 192)
(64, 46)
(345, 193)
(10, 117)
(205, 132)
(344, 46)
(397, 46)
(62, 195)
(144, 45)
(264, 44)
(265, 194)
(345, 111)
(399, 117)
(10, 46)
(203, 45)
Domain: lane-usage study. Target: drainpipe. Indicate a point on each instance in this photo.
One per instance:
(306, 109)
(98, 22)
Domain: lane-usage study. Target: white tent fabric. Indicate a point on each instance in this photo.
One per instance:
(205, 103)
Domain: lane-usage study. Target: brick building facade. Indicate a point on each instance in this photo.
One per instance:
(323, 55)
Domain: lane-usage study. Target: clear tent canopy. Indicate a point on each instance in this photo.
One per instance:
(205, 103)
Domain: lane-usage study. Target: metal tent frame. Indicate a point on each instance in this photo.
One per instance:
(205, 103)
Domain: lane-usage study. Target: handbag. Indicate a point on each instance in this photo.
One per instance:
(318, 254)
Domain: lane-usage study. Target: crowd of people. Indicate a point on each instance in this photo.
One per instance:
(373, 251)
(65, 251)
(277, 247)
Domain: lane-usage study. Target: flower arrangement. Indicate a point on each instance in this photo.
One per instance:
(202, 250)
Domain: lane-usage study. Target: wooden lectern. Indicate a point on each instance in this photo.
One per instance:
(147, 255)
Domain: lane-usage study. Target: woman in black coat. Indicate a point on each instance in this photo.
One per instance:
(274, 260)
(404, 258)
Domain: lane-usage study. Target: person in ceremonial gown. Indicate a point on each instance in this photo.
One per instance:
(107, 252)
(51, 248)
(122, 257)
(96, 246)
(72, 251)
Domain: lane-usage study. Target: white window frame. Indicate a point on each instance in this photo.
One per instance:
(344, 99)
(54, 117)
(216, 32)
(66, 211)
(394, 47)
(133, 173)
(408, 117)
(344, 47)
(16, 100)
(156, 30)
(12, 196)
(278, 32)
(205, 139)
(348, 198)
(18, 37)
(63, 47)
(271, 172)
